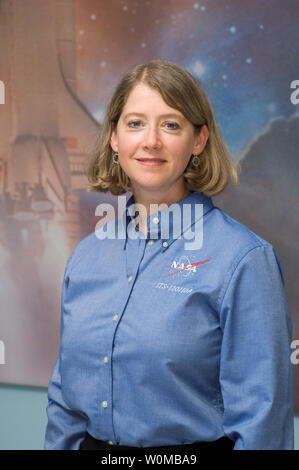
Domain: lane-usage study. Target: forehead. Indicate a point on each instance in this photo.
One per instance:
(143, 98)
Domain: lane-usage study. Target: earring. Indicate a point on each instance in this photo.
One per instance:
(115, 158)
(195, 160)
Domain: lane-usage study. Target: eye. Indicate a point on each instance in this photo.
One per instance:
(132, 124)
(170, 125)
(173, 126)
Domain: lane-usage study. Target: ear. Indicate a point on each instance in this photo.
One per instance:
(201, 140)
(114, 140)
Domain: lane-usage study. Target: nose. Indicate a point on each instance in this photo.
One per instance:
(152, 138)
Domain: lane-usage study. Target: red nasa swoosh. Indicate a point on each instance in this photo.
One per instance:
(188, 266)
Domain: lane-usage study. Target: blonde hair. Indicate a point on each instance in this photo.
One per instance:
(180, 90)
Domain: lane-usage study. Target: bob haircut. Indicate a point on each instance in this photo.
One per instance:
(181, 91)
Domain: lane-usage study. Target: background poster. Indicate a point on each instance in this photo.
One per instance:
(59, 63)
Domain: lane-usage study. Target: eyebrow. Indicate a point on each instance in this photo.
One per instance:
(168, 115)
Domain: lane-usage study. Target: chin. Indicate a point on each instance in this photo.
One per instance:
(150, 184)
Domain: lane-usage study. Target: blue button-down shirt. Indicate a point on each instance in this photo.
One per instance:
(164, 345)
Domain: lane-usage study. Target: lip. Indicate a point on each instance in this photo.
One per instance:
(150, 161)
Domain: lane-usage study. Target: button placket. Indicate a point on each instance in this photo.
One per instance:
(133, 261)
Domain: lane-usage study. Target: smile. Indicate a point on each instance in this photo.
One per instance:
(151, 161)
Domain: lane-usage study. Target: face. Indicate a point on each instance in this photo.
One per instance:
(154, 142)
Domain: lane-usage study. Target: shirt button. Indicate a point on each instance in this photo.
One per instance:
(150, 242)
(105, 359)
(104, 404)
(130, 279)
(165, 244)
(155, 220)
(115, 317)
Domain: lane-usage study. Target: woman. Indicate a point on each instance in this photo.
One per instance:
(167, 342)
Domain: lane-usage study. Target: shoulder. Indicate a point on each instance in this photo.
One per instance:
(239, 243)
(95, 246)
(244, 247)
(234, 233)
(89, 244)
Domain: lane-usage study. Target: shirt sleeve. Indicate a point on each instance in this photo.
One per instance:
(66, 428)
(256, 373)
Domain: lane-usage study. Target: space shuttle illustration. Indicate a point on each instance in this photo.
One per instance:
(46, 132)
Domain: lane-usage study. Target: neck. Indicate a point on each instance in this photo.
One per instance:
(147, 198)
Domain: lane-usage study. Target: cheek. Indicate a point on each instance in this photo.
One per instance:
(127, 146)
(181, 152)
(181, 145)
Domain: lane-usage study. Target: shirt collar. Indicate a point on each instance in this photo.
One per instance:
(154, 221)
